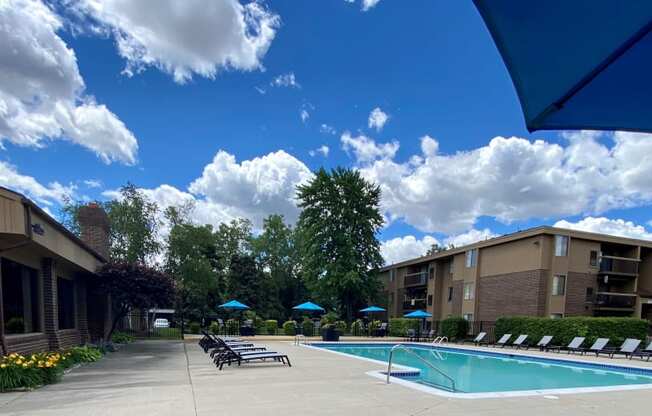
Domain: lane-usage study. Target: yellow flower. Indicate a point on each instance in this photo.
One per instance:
(48, 364)
(25, 365)
(3, 365)
(19, 362)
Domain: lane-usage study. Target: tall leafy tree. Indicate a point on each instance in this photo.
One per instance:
(276, 253)
(192, 259)
(338, 227)
(134, 225)
(247, 282)
(232, 239)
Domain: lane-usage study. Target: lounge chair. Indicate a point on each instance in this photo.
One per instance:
(627, 348)
(597, 347)
(520, 342)
(230, 356)
(543, 342)
(502, 341)
(646, 352)
(478, 340)
(381, 331)
(411, 335)
(574, 345)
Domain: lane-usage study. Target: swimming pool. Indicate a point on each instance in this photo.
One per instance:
(487, 374)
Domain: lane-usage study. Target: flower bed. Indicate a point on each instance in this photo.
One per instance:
(18, 371)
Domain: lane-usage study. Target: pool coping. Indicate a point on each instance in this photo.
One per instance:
(395, 376)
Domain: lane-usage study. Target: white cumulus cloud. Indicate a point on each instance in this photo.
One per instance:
(323, 150)
(513, 179)
(42, 94)
(603, 225)
(377, 119)
(183, 38)
(47, 195)
(286, 80)
(369, 4)
(469, 237)
(366, 150)
(405, 248)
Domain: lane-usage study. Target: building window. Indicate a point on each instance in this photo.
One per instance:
(451, 266)
(20, 298)
(429, 300)
(468, 317)
(589, 294)
(558, 285)
(471, 257)
(431, 272)
(468, 291)
(556, 315)
(561, 245)
(392, 275)
(66, 302)
(450, 293)
(593, 259)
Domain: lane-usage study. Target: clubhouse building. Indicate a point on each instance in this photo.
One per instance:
(543, 271)
(49, 295)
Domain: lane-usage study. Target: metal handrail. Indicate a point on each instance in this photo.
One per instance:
(403, 347)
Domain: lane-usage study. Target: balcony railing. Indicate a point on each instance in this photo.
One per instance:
(416, 279)
(414, 304)
(618, 266)
(614, 300)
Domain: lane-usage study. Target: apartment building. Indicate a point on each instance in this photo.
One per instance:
(49, 296)
(543, 271)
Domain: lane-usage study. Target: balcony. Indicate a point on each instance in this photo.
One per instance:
(618, 266)
(414, 304)
(415, 279)
(613, 300)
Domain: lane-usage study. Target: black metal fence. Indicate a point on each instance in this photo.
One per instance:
(143, 324)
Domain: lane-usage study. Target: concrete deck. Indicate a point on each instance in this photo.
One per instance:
(173, 378)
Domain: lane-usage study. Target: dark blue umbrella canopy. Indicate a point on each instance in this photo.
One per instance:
(309, 307)
(233, 305)
(418, 314)
(577, 64)
(372, 309)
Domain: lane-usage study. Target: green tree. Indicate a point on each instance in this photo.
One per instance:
(192, 260)
(275, 252)
(337, 227)
(232, 239)
(134, 224)
(246, 282)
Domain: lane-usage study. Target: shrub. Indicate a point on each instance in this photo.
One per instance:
(122, 338)
(259, 325)
(15, 325)
(329, 318)
(357, 327)
(290, 327)
(84, 354)
(398, 327)
(18, 371)
(214, 328)
(308, 327)
(373, 325)
(341, 326)
(454, 327)
(271, 326)
(563, 330)
(194, 327)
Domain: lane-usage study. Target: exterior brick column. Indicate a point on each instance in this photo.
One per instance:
(50, 305)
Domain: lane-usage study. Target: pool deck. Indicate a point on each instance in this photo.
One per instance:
(175, 378)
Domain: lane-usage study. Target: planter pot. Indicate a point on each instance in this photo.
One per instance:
(330, 335)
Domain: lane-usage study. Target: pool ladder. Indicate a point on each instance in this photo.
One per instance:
(429, 364)
(439, 340)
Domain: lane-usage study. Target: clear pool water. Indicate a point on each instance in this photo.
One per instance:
(479, 372)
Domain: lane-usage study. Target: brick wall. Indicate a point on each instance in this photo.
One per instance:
(50, 310)
(94, 227)
(576, 284)
(520, 293)
(27, 344)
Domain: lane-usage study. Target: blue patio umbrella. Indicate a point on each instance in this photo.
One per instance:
(418, 314)
(577, 64)
(233, 305)
(309, 307)
(371, 309)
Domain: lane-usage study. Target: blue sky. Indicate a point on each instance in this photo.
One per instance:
(190, 106)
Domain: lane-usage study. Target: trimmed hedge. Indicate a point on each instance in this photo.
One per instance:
(308, 327)
(356, 327)
(290, 327)
(398, 327)
(565, 329)
(271, 326)
(455, 327)
(341, 326)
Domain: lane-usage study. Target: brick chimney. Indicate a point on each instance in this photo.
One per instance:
(94, 227)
